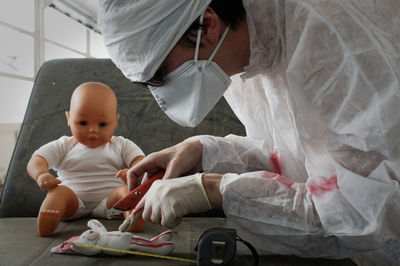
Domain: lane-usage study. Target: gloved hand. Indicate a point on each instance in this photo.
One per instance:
(167, 201)
(182, 159)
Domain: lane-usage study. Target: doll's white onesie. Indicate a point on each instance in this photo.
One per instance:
(89, 172)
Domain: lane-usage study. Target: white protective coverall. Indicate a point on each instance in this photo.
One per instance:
(320, 100)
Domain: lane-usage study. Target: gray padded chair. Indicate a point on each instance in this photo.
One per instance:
(141, 120)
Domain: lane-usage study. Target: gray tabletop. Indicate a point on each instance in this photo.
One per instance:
(21, 245)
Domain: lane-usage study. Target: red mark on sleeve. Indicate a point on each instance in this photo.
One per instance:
(323, 185)
(275, 161)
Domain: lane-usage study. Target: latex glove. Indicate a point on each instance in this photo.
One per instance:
(182, 159)
(167, 201)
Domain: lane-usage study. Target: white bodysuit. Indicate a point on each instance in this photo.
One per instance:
(89, 172)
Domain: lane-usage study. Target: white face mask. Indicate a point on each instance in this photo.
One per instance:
(190, 92)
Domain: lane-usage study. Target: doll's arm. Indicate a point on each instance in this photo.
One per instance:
(38, 169)
(123, 173)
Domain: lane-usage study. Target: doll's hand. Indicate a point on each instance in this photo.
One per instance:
(122, 174)
(47, 181)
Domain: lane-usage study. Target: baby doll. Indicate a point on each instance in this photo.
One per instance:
(86, 163)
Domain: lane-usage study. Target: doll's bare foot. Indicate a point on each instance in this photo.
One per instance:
(48, 221)
(132, 223)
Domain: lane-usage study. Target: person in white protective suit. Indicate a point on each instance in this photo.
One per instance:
(316, 85)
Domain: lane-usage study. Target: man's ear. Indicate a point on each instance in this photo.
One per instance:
(211, 29)
(67, 116)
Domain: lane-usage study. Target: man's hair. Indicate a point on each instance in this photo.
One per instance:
(231, 12)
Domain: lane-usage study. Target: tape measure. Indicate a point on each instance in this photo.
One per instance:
(217, 246)
(130, 252)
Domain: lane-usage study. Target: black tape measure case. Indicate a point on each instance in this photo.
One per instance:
(216, 246)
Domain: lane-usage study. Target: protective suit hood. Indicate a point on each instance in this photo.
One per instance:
(139, 50)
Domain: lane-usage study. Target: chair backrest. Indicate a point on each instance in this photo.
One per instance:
(141, 120)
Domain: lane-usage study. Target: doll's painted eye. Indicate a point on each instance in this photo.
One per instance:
(103, 124)
(83, 123)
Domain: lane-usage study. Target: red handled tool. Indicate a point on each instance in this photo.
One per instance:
(132, 199)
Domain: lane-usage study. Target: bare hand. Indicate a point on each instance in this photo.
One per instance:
(182, 159)
(47, 181)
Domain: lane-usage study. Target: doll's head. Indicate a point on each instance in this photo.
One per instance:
(93, 114)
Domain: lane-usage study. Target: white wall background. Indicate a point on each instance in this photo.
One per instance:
(33, 32)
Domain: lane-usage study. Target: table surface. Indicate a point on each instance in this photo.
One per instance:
(21, 245)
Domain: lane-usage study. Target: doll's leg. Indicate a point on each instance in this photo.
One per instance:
(117, 194)
(60, 202)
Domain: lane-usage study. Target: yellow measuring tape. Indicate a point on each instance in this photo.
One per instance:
(130, 252)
